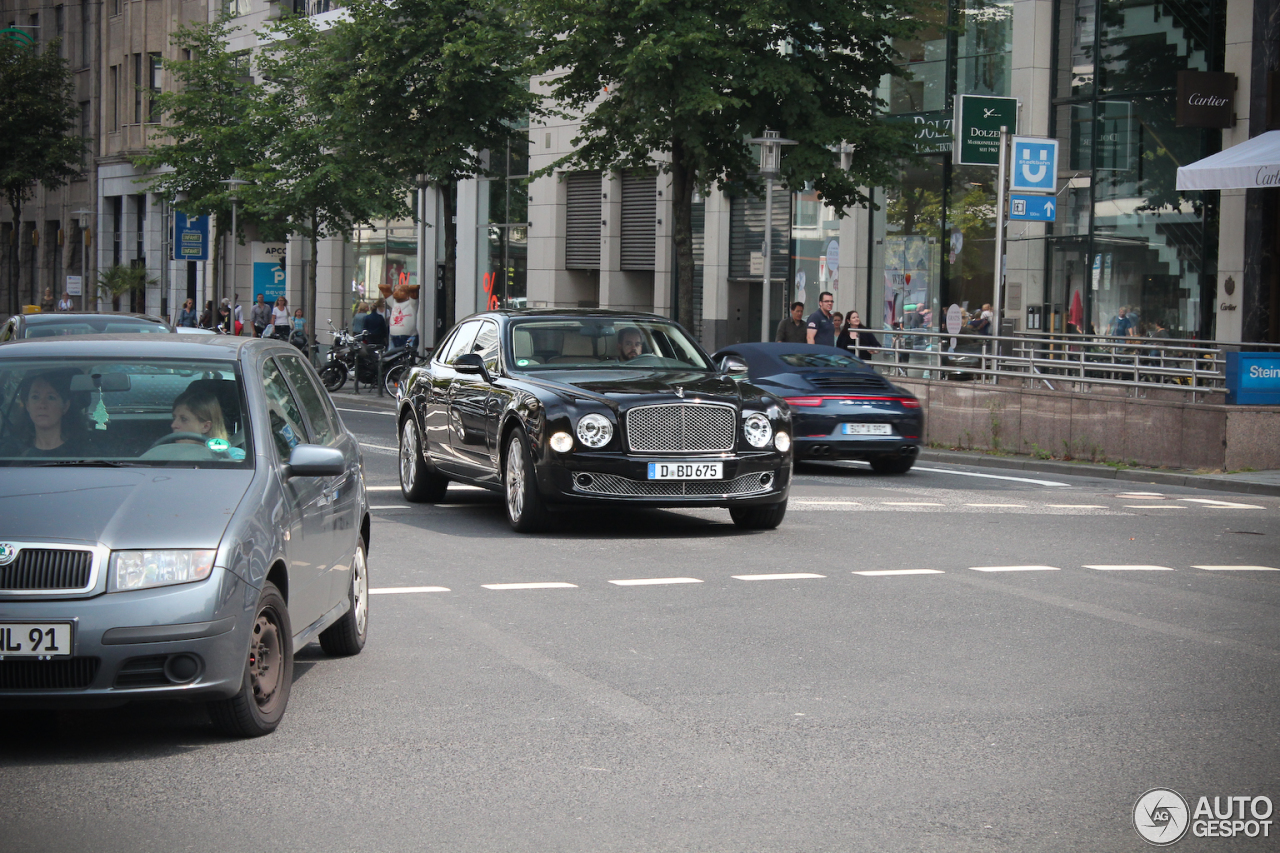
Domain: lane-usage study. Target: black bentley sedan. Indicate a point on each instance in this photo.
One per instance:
(561, 407)
(840, 407)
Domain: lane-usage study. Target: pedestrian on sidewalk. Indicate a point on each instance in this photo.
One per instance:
(260, 316)
(792, 329)
(822, 328)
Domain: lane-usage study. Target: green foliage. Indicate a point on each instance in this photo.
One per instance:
(39, 143)
(208, 130)
(686, 83)
(119, 279)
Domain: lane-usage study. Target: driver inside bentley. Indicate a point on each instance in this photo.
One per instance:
(630, 343)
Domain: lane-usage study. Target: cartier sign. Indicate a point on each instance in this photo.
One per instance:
(1206, 99)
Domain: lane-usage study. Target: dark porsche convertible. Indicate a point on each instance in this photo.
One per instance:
(562, 407)
(840, 407)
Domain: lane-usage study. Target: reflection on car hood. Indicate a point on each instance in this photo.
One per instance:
(120, 507)
(628, 387)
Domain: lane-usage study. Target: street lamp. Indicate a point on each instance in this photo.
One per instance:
(85, 219)
(770, 160)
(232, 185)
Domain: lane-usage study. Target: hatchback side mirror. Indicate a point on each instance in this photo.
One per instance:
(312, 460)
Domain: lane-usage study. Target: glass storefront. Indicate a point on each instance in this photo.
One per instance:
(503, 239)
(933, 237)
(380, 258)
(1130, 245)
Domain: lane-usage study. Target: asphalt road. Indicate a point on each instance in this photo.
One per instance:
(951, 708)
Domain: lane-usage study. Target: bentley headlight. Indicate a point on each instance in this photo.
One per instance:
(562, 442)
(782, 441)
(757, 430)
(595, 431)
(146, 569)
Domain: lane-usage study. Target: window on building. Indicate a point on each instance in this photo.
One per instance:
(33, 28)
(86, 28)
(235, 8)
(153, 87)
(86, 120)
(113, 97)
(115, 7)
(138, 83)
(504, 267)
(59, 29)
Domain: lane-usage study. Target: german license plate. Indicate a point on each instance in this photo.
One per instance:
(686, 470)
(868, 429)
(35, 639)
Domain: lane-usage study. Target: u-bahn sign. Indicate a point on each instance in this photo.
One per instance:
(978, 122)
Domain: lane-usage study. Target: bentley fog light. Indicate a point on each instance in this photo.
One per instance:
(145, 569)
(757, 430)
(594, 430)
(562, 442)
(782, 441)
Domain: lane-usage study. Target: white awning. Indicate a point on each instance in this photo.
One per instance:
(1249, 165)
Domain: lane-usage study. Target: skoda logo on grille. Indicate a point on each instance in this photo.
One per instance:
(7, 553)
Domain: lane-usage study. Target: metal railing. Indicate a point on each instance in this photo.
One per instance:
(1061, 362)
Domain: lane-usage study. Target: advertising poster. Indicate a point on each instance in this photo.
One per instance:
(268, 274)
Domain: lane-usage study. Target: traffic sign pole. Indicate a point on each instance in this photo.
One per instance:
(1002, 169)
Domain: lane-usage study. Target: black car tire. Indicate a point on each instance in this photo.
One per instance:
(526, 511)
(892, 464)
(268, 673)
(334, 376)
(346, 636)
(418, 482)
(766, 517)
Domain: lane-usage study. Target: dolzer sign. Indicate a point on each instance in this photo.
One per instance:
(978, 122)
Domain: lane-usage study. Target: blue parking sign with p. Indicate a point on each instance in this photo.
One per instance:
(1035, 165)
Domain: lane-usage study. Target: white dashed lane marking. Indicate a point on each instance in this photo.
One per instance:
(890, 572)
(910, 503)
(1221, 504)
(1130, 568)
(653, 581)
(1236, 568)
(1153, 506)
(546, 585)
(400, 590)
(1014, 568)
(990, 476)
(795, 576)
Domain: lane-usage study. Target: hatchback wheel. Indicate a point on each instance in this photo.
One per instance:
(268, 674)
(346, 636)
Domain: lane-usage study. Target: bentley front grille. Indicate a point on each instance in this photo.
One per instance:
(681, 428)
(51, 569)
(610, 484)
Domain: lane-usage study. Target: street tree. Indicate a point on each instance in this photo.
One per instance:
(315, 175)
(38, 140)
(431, 85)
(682, 86)
(208, 131)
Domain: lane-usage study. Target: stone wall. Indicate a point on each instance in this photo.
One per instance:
(1102, 427)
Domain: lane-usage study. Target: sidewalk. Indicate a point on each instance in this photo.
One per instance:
(1252, 482)
(367, 397)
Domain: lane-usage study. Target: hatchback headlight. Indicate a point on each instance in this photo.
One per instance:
(757, 430)
(146, 569)
(594, 430)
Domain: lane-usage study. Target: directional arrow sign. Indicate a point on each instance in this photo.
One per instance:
(1035, 165)
(1036, 208)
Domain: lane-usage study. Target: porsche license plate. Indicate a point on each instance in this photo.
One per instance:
(868, 429)
(35, 639)
(686, 470)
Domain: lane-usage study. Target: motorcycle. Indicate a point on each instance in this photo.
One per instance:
(352, 354)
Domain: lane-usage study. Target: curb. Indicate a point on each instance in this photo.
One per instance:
(1105, 472)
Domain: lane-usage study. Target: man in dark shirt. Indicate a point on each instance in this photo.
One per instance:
(376, 325)
(791, 330)
(822, 329)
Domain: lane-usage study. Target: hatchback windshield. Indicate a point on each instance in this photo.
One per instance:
(82, 325)
(594, 343)
(121, 411)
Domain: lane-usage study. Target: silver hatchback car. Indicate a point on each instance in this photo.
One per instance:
(177, 515)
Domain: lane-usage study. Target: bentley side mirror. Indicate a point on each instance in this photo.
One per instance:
(471, 363)
(734, 367)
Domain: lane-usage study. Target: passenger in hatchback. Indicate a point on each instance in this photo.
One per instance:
(197, 411)
(52, 423)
